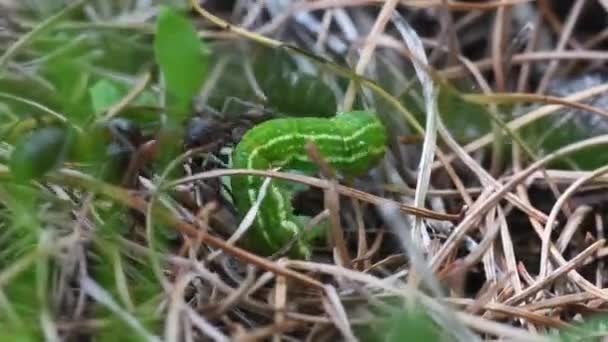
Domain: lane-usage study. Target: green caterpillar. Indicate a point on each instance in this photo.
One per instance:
(351, 143)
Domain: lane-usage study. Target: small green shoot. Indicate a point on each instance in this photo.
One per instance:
(181, 56)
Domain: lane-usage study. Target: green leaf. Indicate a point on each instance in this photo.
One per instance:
(39, 152)
(465, 120)
(103, 95)
(291, 92)
(71, 82)
(593, 329)
(302, 95)
(403, 326)
(181, 57)
(146, 98)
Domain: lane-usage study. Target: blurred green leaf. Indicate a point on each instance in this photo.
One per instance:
(71, 82)
(287, 90)
(39, 152)
(103, 95)
(553, 132)
(20, 233)
(146, 98)
(116, 265)
(302, 95)
(291, 92)
(465, 120)
(19, 237)
(181, 57)
(11, 333)
(403, 326)
(594, 329)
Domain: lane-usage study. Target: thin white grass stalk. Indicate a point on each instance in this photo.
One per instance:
(250, 216)
(174, 314)
(566, 33)
(368, 50)
(333, 306)
(248, 220)
(261, 281)
(212, 80)
(49, 328)
(398, 224)
(560, 271)
(204, 326)
(101, 296)
(369, 280)
(572, 226)
(430, 92)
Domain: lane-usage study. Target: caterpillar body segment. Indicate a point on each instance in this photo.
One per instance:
(351, 143)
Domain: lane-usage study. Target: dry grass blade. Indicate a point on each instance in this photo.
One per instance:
(560, 301)
(337, 271)
(205, 327)
(368, 50)
(450, 4)
(264, 332)
(524, 58)
(319, 183)
(572, 225)
(172, 324)
(555, 210)
(248, 219)
(413, 250)
(473, 216)
(575, 11)
(519, 97)
(484, 177)
(280, 300)
(332, 202)
(430, 93)
(168, 217)
(236, 296)
(512, 311)
(547, 280)
(336, 311)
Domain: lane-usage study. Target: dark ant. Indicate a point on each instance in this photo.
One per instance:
(203, 131)
(130, 152)
(211, 132)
